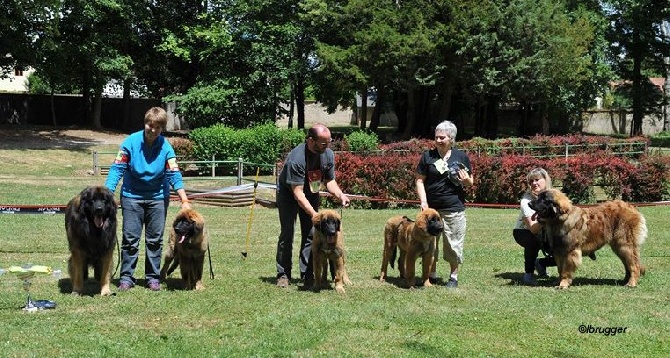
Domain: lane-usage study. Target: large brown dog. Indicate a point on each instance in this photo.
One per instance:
(328, 245)
(575, 231)
(186, 248)
(90, 223)
(414, 239)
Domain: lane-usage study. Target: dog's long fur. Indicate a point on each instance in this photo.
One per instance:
(575, 231)
(328, 245)
(90, 224)
(186, 248)
(414, 239)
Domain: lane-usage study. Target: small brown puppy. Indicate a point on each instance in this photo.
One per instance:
(573, 231)
(414, 239)
(328, 245)
(186, 248)
(90, 224)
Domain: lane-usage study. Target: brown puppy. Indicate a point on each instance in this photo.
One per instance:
(90, 224)
(414, 239)
(186, 248)
(575, 231)
(328, 245)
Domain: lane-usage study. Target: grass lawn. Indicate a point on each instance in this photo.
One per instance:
(242, 314)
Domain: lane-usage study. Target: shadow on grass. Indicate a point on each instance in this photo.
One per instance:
(516, 279)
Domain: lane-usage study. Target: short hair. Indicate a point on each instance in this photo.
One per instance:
(447, 127)
(156, 115)
(537, 173)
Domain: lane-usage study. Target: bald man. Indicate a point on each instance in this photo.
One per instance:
(307, 167)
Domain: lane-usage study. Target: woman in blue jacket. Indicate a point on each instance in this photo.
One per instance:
(147, 163)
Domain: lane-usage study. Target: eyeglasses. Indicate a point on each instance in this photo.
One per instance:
(442, 137)
(324, 142)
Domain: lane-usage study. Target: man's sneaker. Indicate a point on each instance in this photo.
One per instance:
(452, 283)
(541, 270)
(282, 281)
(125, 286)
(528, 279)
(155, 286)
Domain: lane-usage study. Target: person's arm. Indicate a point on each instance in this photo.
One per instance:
(299, 195)
(465, 177)
(334, 189)
(185, 203)
(421, 191)
(117, 169)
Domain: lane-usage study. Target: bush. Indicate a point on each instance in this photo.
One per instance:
(361, 141)
(264, 144)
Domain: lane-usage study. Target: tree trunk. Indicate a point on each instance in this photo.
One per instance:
(97, 108)
(638, 112)
(291, 107)
(126, 120)
(377, 112)
(411, 114)
(364, 108)
(300, 102)
(53, 107)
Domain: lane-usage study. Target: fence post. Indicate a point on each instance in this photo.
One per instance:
(239, 171)
(213, 167)
(566, 151)
(96, 168)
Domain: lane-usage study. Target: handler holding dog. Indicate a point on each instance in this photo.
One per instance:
(147, 163)
(306, 167)
(440, 176)
(527, 230)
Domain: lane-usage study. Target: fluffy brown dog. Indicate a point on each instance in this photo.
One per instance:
(90, 224)
(575, 231)
(414, 239)
(328, 245)
(186, 248)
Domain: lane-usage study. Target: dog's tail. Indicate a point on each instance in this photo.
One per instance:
(641, 233)
(394, 253)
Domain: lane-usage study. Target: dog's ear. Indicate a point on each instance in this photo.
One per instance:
(339, 223)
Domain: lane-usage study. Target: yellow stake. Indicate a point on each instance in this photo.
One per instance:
(251, 215)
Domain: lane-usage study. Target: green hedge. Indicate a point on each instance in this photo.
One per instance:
(263, 144)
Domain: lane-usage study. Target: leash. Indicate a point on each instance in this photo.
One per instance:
(211, 270)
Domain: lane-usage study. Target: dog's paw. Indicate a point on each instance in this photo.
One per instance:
(339, 289)
(75, 293)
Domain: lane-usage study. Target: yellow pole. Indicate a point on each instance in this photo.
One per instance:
(251, 215)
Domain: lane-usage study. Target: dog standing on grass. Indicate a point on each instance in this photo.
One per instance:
(415, 238)
(186, 248)
(328, 245)
(574, 232)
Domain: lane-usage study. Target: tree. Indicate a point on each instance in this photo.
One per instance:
(638, 48)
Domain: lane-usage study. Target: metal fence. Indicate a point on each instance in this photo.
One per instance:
(238, 166)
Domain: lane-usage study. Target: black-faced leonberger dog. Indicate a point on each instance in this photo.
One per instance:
(415, 238)
(328, 245)
(186, 248)
(573, 231)
(90, 223)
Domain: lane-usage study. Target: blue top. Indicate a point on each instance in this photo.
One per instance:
(147, 173)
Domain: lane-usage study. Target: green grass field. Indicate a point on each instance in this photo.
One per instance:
(242, 314)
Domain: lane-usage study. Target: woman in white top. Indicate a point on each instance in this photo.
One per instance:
(527, 231)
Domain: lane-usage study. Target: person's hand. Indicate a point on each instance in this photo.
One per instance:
(424, 206)
(345, 200)
(185, 205)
